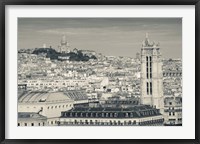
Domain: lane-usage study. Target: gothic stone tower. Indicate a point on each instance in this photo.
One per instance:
(151, 75)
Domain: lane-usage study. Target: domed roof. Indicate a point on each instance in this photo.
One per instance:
(43, 97)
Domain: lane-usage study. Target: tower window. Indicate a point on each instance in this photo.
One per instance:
(150, 58)
(147, 58)
(147, 88)
(147, 66)
(150, 88)
(150, 71)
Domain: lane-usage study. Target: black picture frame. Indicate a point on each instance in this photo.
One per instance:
(4, 3)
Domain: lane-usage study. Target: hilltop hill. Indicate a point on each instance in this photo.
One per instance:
(72, 56)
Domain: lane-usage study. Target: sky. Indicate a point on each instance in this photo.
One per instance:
(109, 36)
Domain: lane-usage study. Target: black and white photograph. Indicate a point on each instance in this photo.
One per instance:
(99, 72)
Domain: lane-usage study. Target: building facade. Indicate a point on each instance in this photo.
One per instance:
(173, 111)
(141, 115)
(31, 119)
(151, 75)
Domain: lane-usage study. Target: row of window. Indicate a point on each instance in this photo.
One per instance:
(172, 74)
(151, 122)
(41, 84)
(121, 102)
(144, 113)
(32, 124)
(52, 122)
(87, 122)
(55, 107)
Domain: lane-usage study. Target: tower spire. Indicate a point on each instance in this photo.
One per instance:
(147, 35)
(63, 40)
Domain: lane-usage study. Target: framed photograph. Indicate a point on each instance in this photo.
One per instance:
(99, 71)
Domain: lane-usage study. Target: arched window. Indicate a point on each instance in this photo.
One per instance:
(125, 123)
(150, 88)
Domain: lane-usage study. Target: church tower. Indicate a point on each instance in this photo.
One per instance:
(151, 75)
(64, 45)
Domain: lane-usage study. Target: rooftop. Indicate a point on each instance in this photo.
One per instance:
(42, 96)
(30, 115)
(110, 109)
(100, 112)
(76, 95)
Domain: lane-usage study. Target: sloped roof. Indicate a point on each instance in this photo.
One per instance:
(30, 115)
(98, 112)
(76, 95)
(38, 96)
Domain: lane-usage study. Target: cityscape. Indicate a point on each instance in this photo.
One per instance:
(68, 86)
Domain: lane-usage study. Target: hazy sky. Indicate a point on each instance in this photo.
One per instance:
(110, 36)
